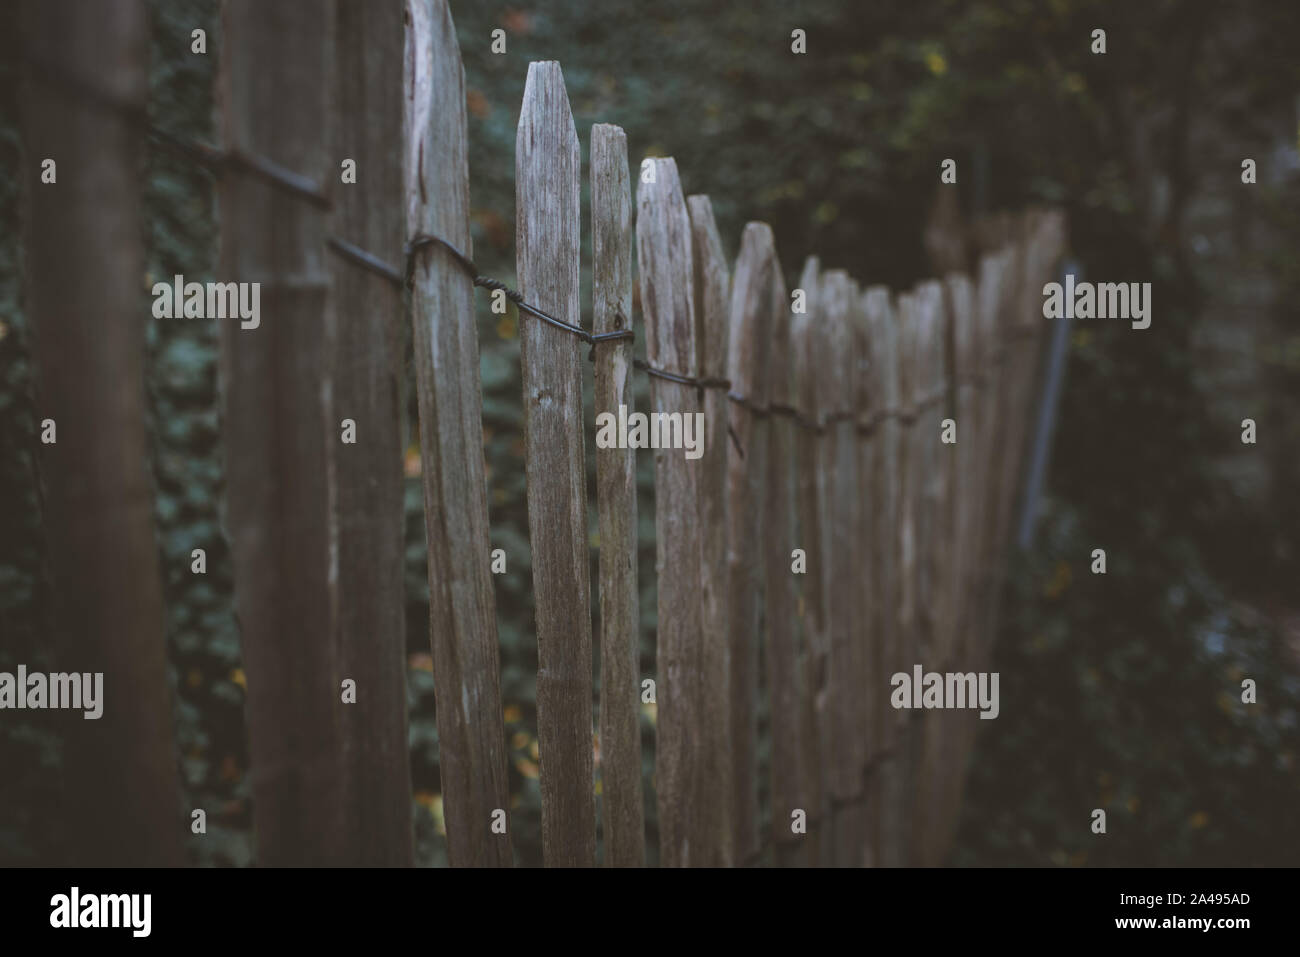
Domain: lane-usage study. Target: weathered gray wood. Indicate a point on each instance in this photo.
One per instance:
(911, 495)
(462, 609)
(1038, 238)
(611, 289)
(712, 332)
(806, 351)
(888, 797)
(971, 375)
(369, 524)
(959, 295)
(994, 271)
(987, 356)
(934, 554)
(862, 632)
(931, 520)
(870, 607)
(747, 368)
(1002, 296)
(839, 461)
(1009, 330)
(281, 428)
(548, 233)
(990, 293)
(84, 261)
(663, 243)
(922, 377)
(789, 782)
(1012, 374)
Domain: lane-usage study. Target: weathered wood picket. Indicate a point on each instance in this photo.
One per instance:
(283, 447)
(547, 227)
(89, 346)
(620, 685)
(462, 613)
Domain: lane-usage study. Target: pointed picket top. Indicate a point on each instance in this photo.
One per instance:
(959, 294)
(712, 288)
(832, 367)
(804, 336)
(548, 171)
(663, 242)
(437, 158)
(780, 388)
(751, 313)
(462, 606)
(1042, 240)
(990, 289)
(611, 228)
(929, 298)
(909, 350)
(812, 268)
(864, 399)
(882, 335)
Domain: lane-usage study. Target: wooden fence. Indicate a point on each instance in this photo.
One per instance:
(847, 520)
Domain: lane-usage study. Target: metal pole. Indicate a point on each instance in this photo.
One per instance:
(1040, 452)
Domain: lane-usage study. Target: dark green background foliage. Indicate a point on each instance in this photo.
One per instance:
(1120, 692)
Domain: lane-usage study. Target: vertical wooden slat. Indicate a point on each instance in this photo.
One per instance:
(462, 610)
(1013, 358)
(85, 263)
(984, 405)
(806, 352)
(611, 289)
(547, 238)
(911, 496)
(747, 368)
(925, 521)
(368, 514)
(870, 607)
(1018, 345)
(963, 465)
(839, 458)
(663, 242)
(883, 340)
(785, 679)
(712, 331)
(1038, 240)
(992, 282)
(861, 632)
(927, 400)
(933, 553)
(281, 430)
(1003, 471)
(1011, 323)
(959, 294)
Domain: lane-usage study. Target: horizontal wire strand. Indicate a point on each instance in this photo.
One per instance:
(219, 161)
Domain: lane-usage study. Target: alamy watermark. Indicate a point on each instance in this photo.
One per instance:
(1103, 300)
(932, 689)
(656, 430)
(75, 909)
(37, 690)
(214, 300)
